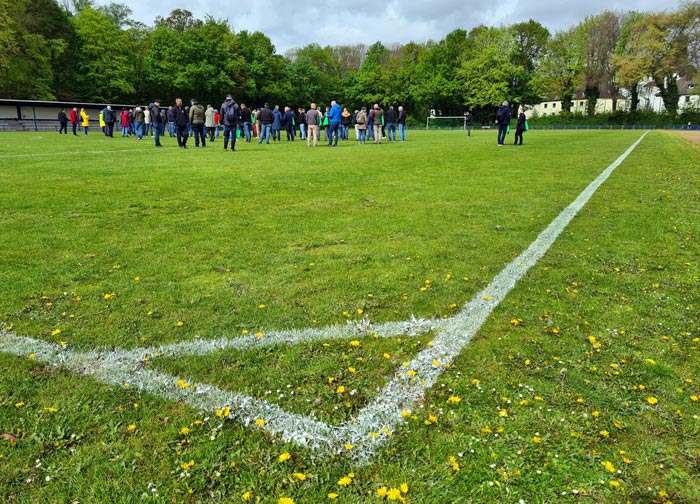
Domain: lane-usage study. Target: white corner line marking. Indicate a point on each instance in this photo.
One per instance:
(373, 425)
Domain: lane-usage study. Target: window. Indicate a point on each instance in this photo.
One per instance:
(554, 105)
(545, 105)
(687, 99)
(580, 104)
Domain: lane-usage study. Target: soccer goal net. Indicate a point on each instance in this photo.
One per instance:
(446, 122)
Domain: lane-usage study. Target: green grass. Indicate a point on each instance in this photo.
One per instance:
(282, 236)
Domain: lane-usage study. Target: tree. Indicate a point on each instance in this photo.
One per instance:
(103, 72)
(530, 43)
(487, 73)
(562, 64)
(628, 72)
(263, 71)
(119, 14)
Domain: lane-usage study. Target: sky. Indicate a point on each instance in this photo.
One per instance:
(294, 24)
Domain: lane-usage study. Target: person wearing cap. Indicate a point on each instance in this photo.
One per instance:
(361, 122)
(231, 117)
(210, 121)
(266, 119)
(197, 118)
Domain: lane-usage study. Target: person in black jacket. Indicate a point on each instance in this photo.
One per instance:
(266, 120)
(180, 118)
(63, 121)
(468, 121)
(109, 117)
(402, 124)
(520, 127)
(503, 121)
(390, 122)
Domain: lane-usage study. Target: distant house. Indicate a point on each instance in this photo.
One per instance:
(649, 99)
(579, 104)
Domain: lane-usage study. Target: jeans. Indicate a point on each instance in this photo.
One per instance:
(302, 131)
(125, 131)
(502, 130)
(85, 128)
(402, 132)
(361, 135)
(181, 132)
(75, 128)
(230, 132)
(290, 132)
(171, 128)
(333, 133)
(138, 130)
(265, 133)
(344, 132)
(246, 131)
(157, 132)
(199, 135)
(391, 132)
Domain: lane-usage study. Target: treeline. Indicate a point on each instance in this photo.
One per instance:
(76, 51)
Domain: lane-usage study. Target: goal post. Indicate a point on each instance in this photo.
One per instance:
(446, 122)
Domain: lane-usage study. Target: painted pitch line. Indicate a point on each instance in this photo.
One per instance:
(72, 153)
(375, 422)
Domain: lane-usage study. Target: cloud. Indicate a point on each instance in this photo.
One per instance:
(296, 24)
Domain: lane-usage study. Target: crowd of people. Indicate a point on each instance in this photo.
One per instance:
(234, 121)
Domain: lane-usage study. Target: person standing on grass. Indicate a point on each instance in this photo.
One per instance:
(157, 121)
(390, 119)
(210, 122)
(377, 117)
(146, 121)
(266, 119)
(74, 120)
(520, 127)
(503, 121)
(361, 123)
(231, 117)
(277, 124)
(288, 121)
(402, 124)
(313, 121)
(333, 116)
(180, 117)
(468, 120)
(345, 123)
(197, 119)
(247, 121)
(139, 117)
(63, 121)
(302, 123)
(125, 123)
(84, 120)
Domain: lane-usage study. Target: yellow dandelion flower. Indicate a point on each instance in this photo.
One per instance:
(405, 414)
(608, 466)
(259, 334)
(299, 476)
(650, 361)
(246, 496)
(652, 400)
(411, 373)
(454, 399)
(187, 465)
(354, 343)
(403, 487)
(262, 306)
(503, 413)
(32, 356)
(614, 484)
(131, 427)
(394, 494)
(284, 457)
(387, 356)
(344, 481)
(352, 369)
(259, 422)
(348, 446)
(487, 298)
(180, 323)
(332, 496)
(340, 389)
(285, 500)
(382, 492)
(536, 439)
(360, 311)
(55, 332)
(184, 431)
(454, 463)
(182, 383)
(694, 398)
(605, 433)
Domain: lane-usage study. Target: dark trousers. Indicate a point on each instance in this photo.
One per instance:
(211, 130)
(333, 132)
(290, 132)
(110, 129)
(230, 132)
(198, 130)
(75, 128)
(181, 136)
(518, 134)
(64, 128)
(502, 131)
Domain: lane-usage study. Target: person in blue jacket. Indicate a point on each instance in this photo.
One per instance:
(334, 115)
(503, 121)
(277, 124)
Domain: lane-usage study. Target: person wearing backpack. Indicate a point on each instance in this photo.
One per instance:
(231, 116)
(503, 121)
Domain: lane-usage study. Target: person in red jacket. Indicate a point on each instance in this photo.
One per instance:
(74, 118)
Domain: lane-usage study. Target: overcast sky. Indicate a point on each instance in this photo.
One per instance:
(291, 24)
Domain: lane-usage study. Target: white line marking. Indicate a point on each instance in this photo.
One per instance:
(380, 416)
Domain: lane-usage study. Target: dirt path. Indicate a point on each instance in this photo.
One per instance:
(691, 136)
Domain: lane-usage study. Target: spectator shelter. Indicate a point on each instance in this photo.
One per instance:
(34, 115)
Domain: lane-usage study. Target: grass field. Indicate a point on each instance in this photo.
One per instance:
(584, 382)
